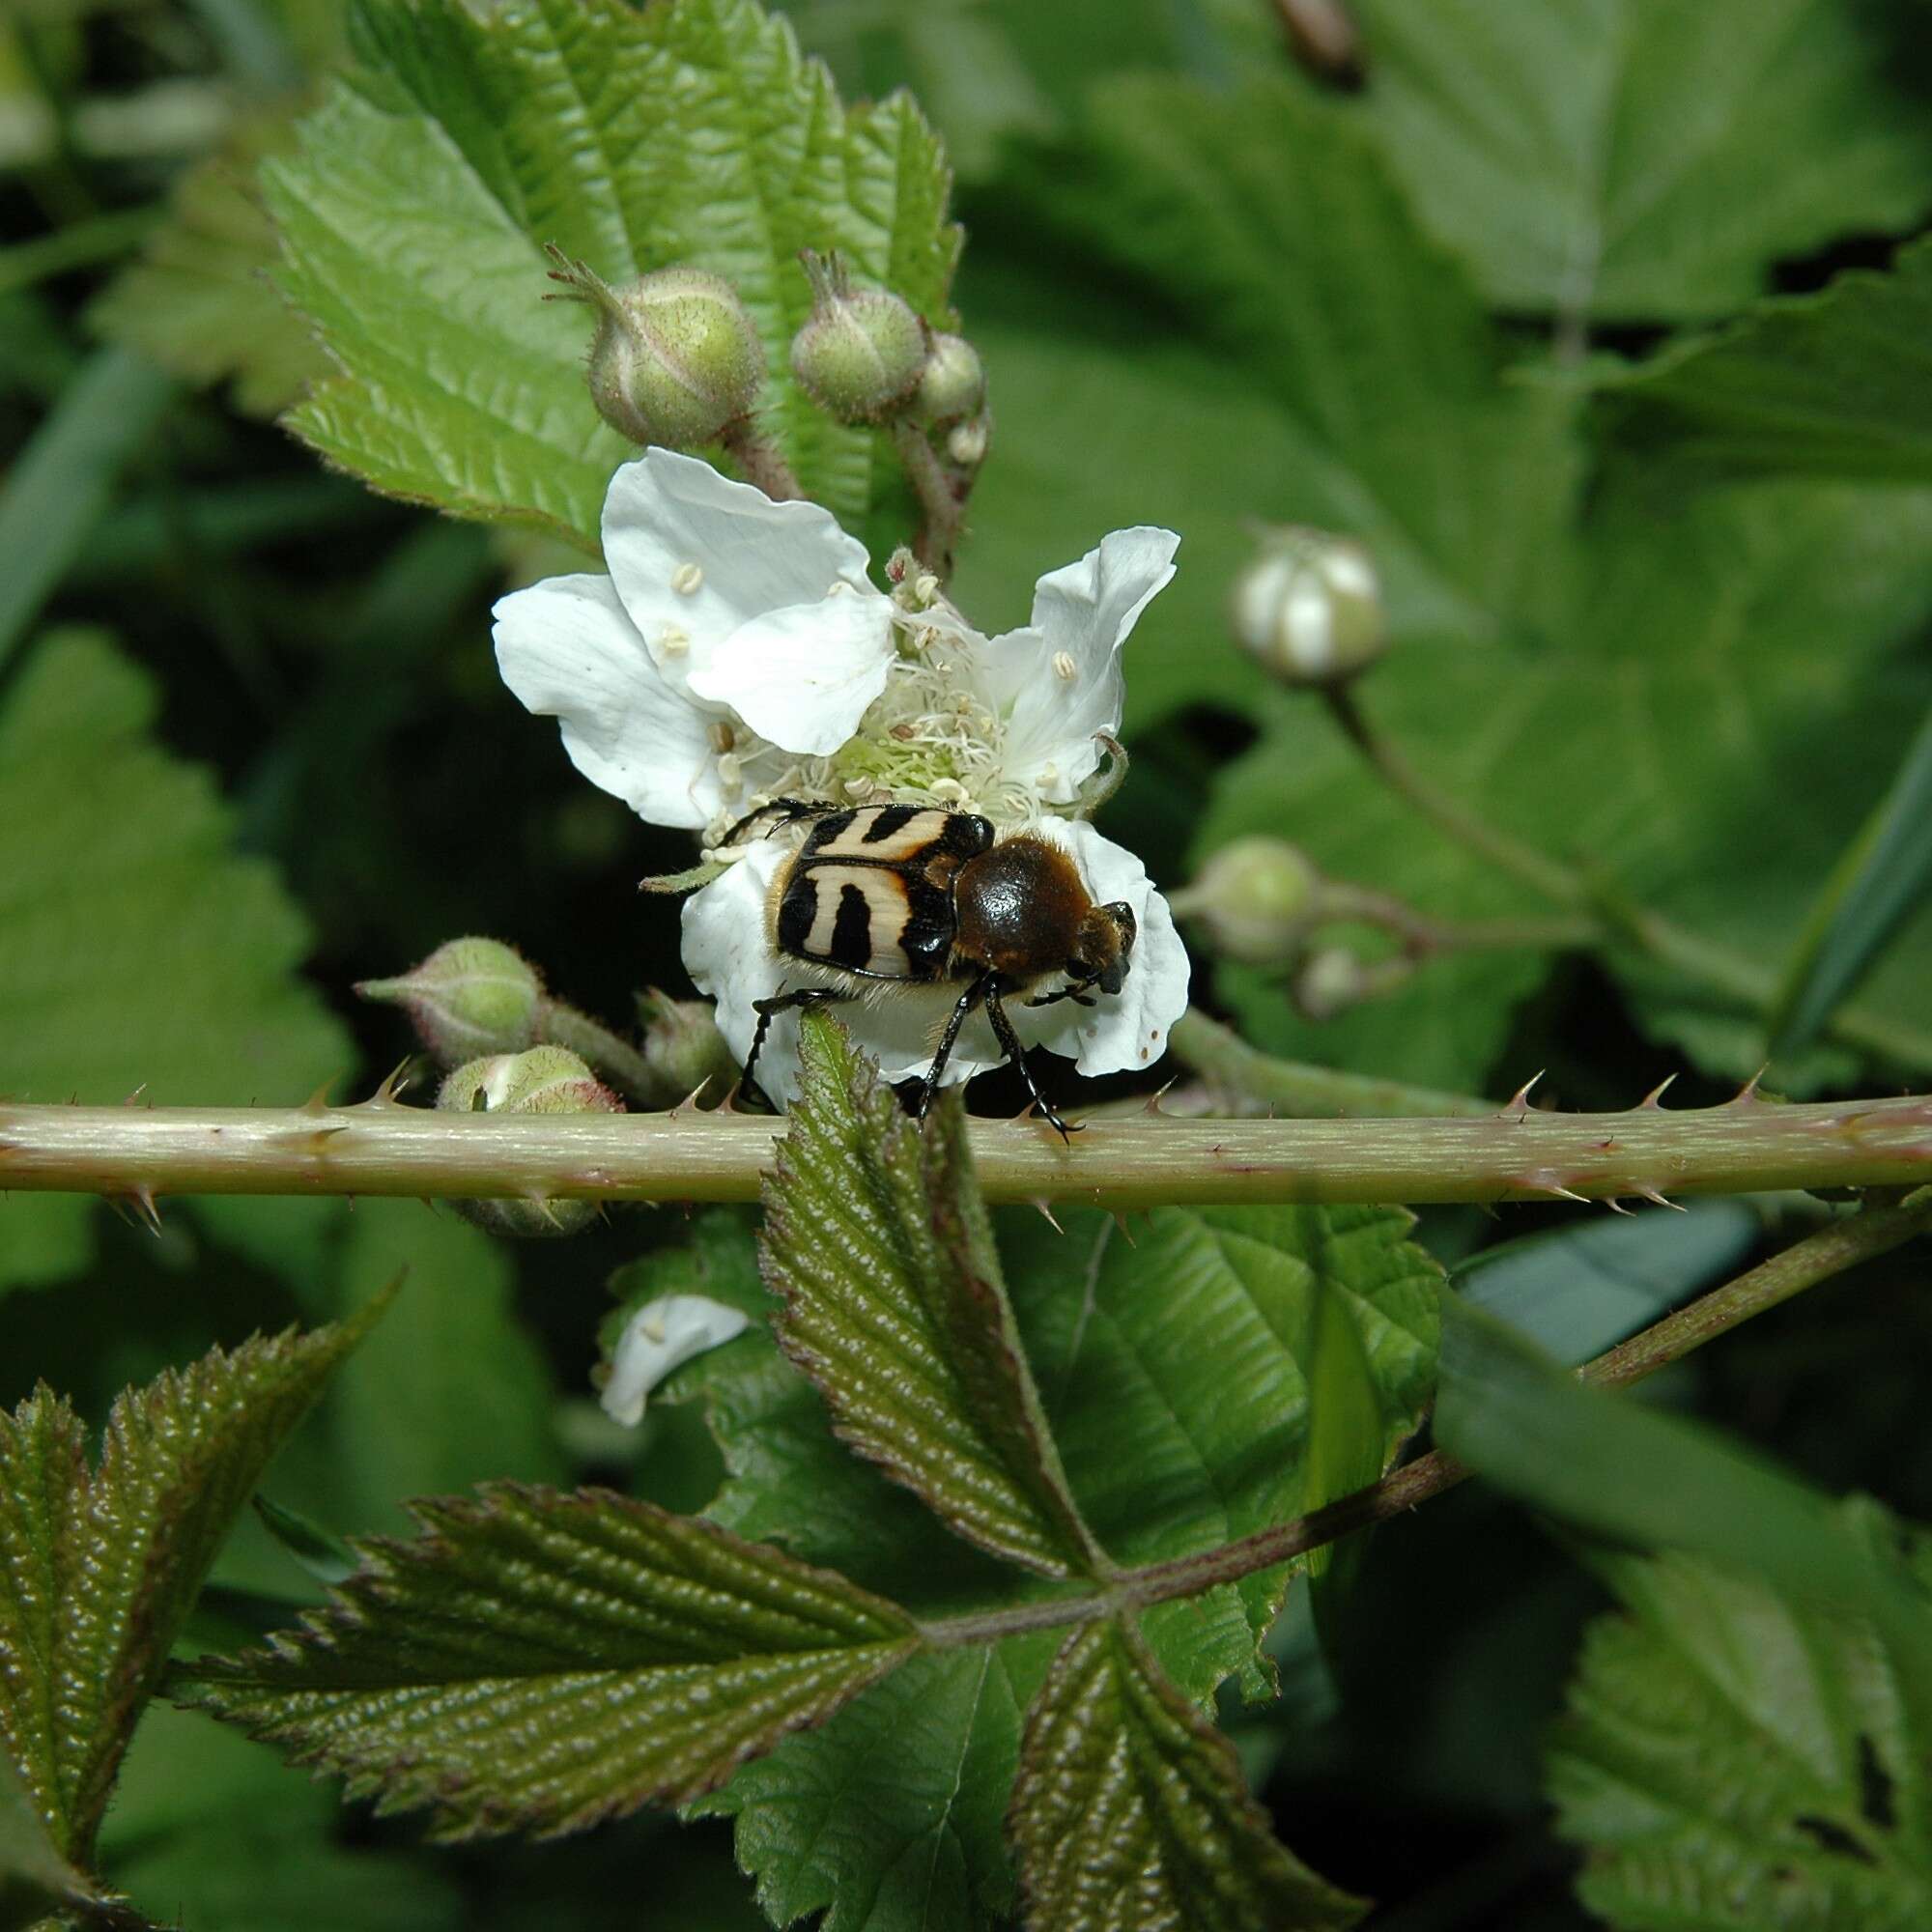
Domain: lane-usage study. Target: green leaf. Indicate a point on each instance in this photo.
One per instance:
(891, 1815)
(877, 1241)
(1189, 1342)
(1829, 384)
(198, 302)
(1204, 1343)
(1876, 887)
(1269, 220)
(99, 1569)
(27, 1851)
(59, 485)
(417, 207)
(1578, 1290)
(1629, 158)
(541, 1662)
(1657, 738)
(135, 950)
(208, 1835)
(1130, 1812)
(1619, 1470)
(1733, 1756)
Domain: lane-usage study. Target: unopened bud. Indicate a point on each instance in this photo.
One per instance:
(470, 997)
(1257, 897)
(859, 354)
(676, 356)
(1310, 607)
(545, 1080)
(683, 1048)
(1330, 982)
(952, 384)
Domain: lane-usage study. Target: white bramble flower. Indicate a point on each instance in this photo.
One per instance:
(737, 652)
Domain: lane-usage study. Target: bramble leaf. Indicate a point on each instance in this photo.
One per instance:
(1627, 159)
(1733, 1756)
(106, 986)
(417, 207)
(1658, 739)
(540, 1661)
(100, 1567)
(1114, 1330)
(199, 302)
(1830, 384)
(878, 1245)
(1130, 1813)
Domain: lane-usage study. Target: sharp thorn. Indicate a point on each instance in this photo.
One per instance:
(1046, 1207)
(1748, 1094)
(318, 1101)
(1657, 1200)
(1615, 1205)
(1654, 1098)
(1159, 1094)
(135, 1095)
(690, 1099)
(1518, 1102)
(1562, 1193)
(1127, 1232)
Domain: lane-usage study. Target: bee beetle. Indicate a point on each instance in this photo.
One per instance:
(883, 896)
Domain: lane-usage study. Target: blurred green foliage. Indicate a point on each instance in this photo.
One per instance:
(1580, 315)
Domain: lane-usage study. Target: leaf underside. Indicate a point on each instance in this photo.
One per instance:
(99, 1569)
(540, 1661)
(1130, 1813)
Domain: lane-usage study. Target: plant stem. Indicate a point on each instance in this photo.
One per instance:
(1295, 1088)
(942, 501)
(1748, 1146)
(1816, 1258)
(762, 459)
(1610, 914)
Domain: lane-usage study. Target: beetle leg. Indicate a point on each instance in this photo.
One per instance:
(1079, 995)
(978, 990)
(786, 811)
(1003, 1029)
(784, 1003)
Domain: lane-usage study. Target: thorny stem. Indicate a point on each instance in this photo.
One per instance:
(942, 499)
(1610, 914)
(1817, 1258)
(1518, 1153)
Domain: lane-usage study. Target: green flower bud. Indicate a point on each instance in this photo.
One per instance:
(683, 1046)
(1310, 607)
(677, 357)
(470, 997)
(545, 1080)
(1257, 897)
(952, 384)
(860, 352)
(1330, 982)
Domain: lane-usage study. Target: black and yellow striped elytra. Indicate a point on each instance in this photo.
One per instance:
(870, 890)
(878, 896)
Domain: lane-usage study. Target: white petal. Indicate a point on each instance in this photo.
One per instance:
(1129, 1030)
(658, 1337)
(693, 554)
(803, 676)
(1059, 679)
(567, 649)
